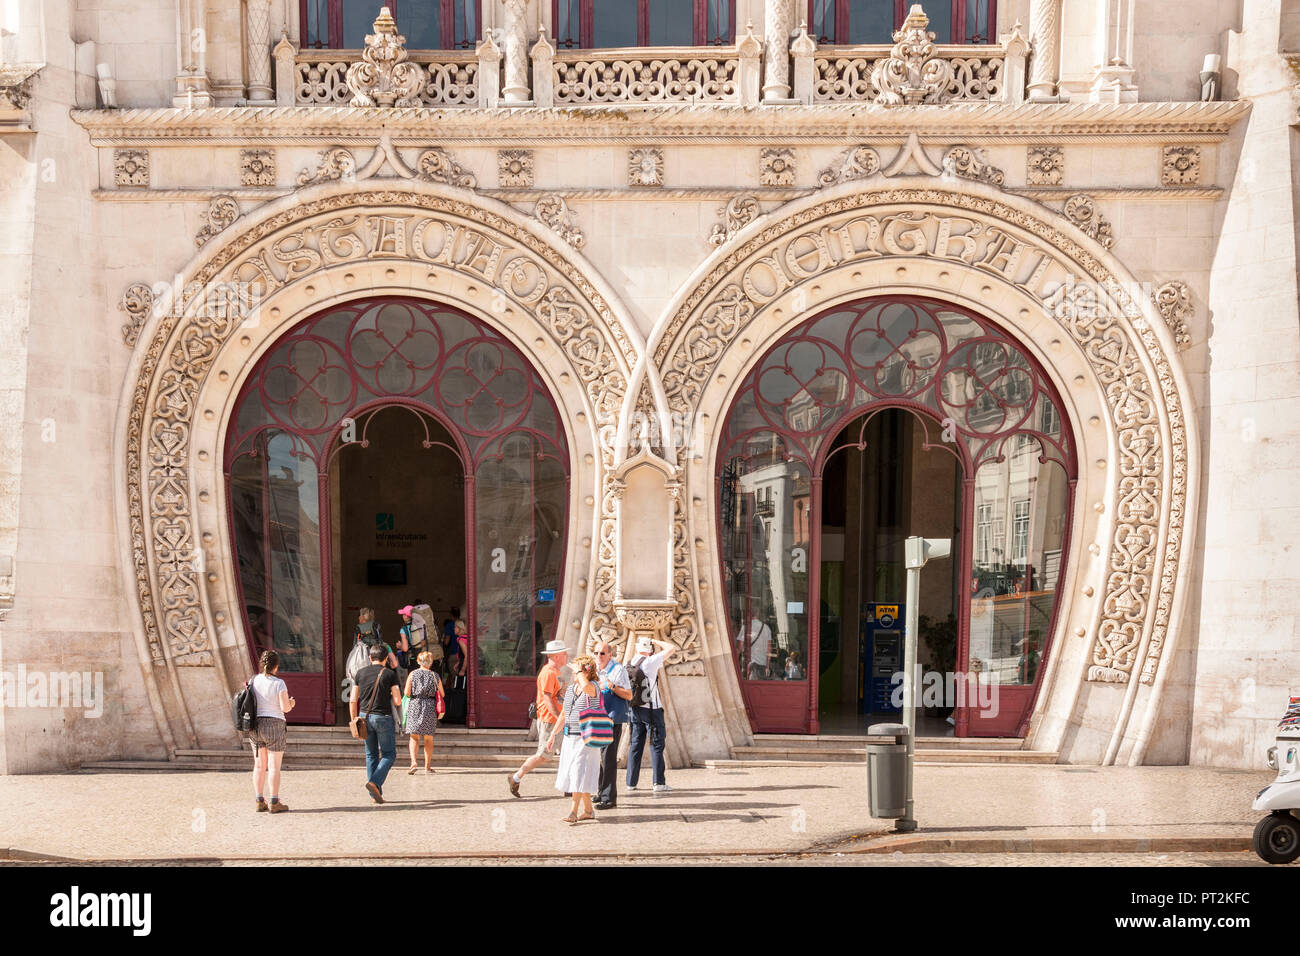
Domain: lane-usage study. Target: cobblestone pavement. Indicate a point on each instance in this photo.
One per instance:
(464, 814)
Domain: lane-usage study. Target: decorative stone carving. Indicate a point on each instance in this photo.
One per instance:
(434, 232)
(738, 213)
(554, 212)
(1110, 335)
(335, 163)
(911, 74)
(1081, 209)
(580, 77)
(1174, 301)
(137, 303)
(515, 168)
(222, 211)
(911, 153)
(645, 167)
(858, 162)
(131, 167)
(1045, 166)
(257, 167)
(1180, 166)
(16, 95)
(969, 163)
(776, 167)
(384, 76)
(436, 166)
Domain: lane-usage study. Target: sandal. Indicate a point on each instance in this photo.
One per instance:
(412, 770)
(587, 816)
(570, 819)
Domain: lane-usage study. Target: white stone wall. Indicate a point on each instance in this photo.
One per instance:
(1248, 621)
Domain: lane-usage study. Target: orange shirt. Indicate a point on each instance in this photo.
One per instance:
(548, 684)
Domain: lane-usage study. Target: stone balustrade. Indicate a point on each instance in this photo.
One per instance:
(451, 77)
(687, 75)
(842, 74)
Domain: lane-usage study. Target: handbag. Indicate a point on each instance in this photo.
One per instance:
(440, 702)
(596, 726)
(358, 724)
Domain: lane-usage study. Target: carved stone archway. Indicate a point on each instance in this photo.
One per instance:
(1077, 310)
(254, 281)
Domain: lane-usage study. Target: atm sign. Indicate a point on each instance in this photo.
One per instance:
(887, 614)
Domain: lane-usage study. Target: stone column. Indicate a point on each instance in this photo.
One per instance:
(778, 19)
(750, 51)
(543, 72)
(192, 86)
(515, 92)
(258, 31)
(803, 49)
(1113, 82)
(1045, 49)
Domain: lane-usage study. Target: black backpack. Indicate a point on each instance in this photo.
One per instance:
(243, 709)
(641, 686)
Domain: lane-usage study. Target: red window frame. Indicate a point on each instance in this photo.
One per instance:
(333, 12)
(900, 14)
(700, 28)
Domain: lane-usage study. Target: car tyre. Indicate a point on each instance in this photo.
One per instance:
(1277, 838)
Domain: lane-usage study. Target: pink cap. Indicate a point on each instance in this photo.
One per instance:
(405, 610)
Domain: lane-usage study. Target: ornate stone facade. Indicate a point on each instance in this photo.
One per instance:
(1180, 166)
(515, 168)
(256, 167)
(776, 167)
(131, 167)
(1045, 166)
(645, 167)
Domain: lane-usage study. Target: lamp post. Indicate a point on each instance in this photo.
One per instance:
(916, 552)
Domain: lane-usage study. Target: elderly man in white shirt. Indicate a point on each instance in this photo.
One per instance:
(648, 713)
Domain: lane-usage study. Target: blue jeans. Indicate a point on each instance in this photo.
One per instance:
(647, 720)
(381, 748)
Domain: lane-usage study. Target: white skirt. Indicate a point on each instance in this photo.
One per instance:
(579, 766)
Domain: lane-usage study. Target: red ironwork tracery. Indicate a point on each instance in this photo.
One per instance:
(316, 392)
(977, 393)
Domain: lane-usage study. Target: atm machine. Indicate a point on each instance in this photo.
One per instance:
(880, 657)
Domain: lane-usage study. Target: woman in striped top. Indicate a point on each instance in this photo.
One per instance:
(579, 772)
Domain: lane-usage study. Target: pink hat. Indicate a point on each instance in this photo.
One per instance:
(406, 610)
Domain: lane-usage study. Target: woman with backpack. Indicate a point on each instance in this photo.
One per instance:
(579, 771)
(423, 688)
(368, 632)
(273, 702)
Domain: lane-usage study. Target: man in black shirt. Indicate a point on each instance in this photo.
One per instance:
(375, 693)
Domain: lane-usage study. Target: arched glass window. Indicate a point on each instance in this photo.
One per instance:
(973, 392)
(426, 24)
(314, 395)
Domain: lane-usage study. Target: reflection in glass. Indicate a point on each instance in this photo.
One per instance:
(671, 22)
(872, 21)
(765, 546)
(519, 507)
(275, 500)
(613, 23)
(1020, 512)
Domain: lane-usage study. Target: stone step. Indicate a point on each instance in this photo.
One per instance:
(768, 756)
(839, 742)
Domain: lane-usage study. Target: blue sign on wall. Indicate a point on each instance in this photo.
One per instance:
(545, 595)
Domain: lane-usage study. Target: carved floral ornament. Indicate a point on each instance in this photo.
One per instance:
(280, 252)
(912, 74)
(1006, 244)
(433, 165)
(384, 76)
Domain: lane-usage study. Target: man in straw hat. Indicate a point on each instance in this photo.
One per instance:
(550, 691)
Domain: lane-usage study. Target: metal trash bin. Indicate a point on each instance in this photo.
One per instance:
(887, 771)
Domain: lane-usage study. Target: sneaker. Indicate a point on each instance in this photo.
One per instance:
(663, 788)
(630, 786)
(514, 785)
(261, 805)
(279, 806)
(375, 795)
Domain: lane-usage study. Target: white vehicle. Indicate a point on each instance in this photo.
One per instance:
(1277, 836)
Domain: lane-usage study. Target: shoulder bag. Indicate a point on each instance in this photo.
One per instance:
(595, 724)
(358, 724)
